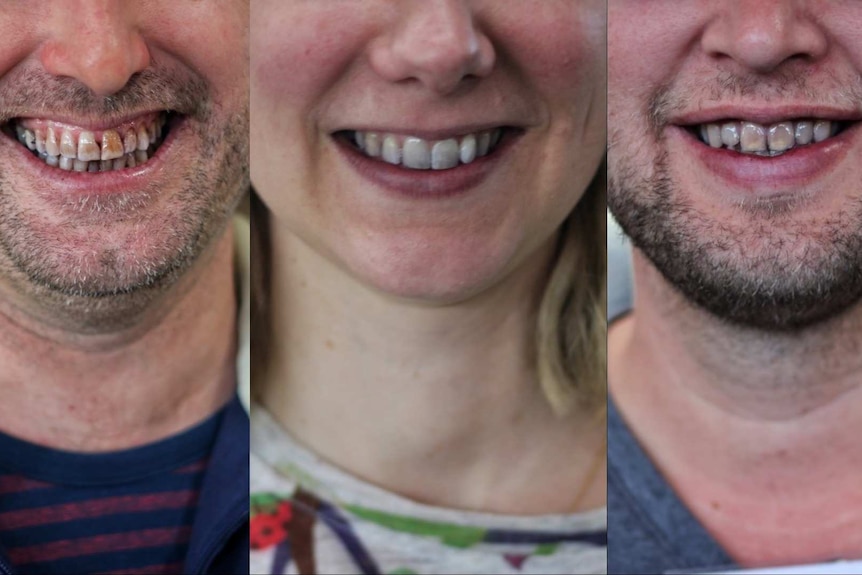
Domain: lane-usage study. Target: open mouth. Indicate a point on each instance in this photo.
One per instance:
(415, 153)
(767, 140)
(73, 148)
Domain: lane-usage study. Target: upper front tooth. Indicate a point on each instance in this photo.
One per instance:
(730, 134)
(112, 145)
(52, 145)
(88, 149)
(68, 148)
(781, 137)
(752, 138)
(143, 138)
(822, 130)
(713, 134)
(445, 155)
(416, 154)
(372, 144)
(804, 132)
(484, 144)
(391, 150)
(468, 149)
(130, 142)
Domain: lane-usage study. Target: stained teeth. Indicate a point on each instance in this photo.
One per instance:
(52, 145)
(88, 151)
(771, 140)
(143, 138)
(420, 154)
(372, 145)
(781, 137)
(112, 145)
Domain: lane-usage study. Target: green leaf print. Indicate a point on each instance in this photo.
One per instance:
(546, 549)
(449, 534)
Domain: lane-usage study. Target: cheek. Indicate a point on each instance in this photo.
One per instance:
(299, 50)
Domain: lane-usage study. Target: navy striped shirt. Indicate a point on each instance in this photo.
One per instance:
(123, 512)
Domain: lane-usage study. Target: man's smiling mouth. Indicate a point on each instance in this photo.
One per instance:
(74, 148)
(769, 140)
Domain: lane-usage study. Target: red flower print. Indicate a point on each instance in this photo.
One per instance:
(266, 531)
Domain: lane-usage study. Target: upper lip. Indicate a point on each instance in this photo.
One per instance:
(765, 114)
(104, 122)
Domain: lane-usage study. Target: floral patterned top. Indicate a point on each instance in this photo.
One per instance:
(308, 517)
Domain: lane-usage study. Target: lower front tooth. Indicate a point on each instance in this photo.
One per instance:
(416, 154)
(66, 163)
(781, 137)
(752, 138)
(80, 165)
(391, 150)
(52, 160)
(119, 163)
(445, 155)
(141, 156)
(93, 167)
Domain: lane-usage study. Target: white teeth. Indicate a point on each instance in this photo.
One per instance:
(88, 151)
(445, 155)
(804, 133)
(822, 130)
(391, 150)
(730, 135)
(416, 154)
(420, 154)
(769, 140)
(468, 149)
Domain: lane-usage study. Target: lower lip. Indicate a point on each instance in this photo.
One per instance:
(767, 176)
(55, 184)
(426, 184)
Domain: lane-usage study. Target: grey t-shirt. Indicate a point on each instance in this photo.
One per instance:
(649, 528)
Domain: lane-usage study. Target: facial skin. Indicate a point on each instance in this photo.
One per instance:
(91, 250)
(437, 68)
(770, 243)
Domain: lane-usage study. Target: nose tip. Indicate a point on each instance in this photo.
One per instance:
(763, 35)
(437, 43)
(96, 47)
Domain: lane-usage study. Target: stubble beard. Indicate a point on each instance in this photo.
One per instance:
(107, 285)
(772, 269)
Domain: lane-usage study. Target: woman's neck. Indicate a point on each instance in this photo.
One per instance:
(433, 401)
